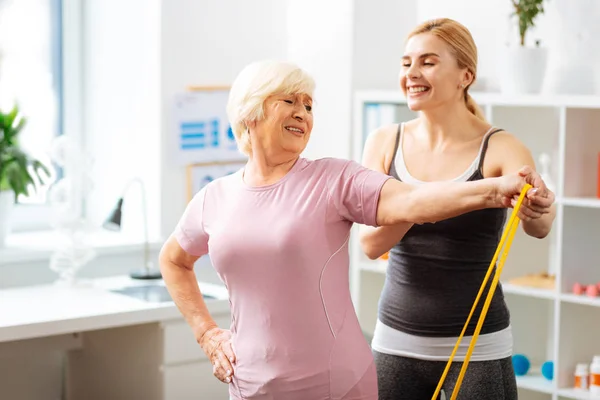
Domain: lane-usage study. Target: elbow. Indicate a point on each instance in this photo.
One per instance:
(170, 259)
(163, 260)
(372, 254)
(537, 234)
(368, 248)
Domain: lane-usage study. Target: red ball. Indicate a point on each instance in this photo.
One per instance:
(578, 288)
(592, 291)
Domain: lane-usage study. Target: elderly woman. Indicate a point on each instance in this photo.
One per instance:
(277, 233)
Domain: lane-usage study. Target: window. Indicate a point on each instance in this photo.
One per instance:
(31, 71)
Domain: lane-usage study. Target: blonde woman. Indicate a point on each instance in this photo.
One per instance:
(277, 233)
(435, 270)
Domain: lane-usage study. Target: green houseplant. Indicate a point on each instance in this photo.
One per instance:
(524, 63)
(526, 12)
(19, 172)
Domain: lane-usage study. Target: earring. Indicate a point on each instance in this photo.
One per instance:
(462, 86)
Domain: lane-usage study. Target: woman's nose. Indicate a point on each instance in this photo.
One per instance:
(299, 113)
(412, 72)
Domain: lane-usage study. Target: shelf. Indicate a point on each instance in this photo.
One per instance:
(577, 394)
(528, 291)
(580, 299)
(379, 266)
(536, 383)
(587, 202)
(497, 99)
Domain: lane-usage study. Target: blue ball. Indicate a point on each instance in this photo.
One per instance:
(521, 364)
(548, 370)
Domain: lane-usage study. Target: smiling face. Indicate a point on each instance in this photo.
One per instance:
(430, 75)
(287, 123)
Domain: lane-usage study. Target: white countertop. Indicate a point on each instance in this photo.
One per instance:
(45, 310)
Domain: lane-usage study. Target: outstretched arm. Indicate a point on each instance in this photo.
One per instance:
(400, 202)
(377, 154)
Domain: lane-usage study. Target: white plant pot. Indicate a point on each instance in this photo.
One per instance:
(523, 70)
(7, 202)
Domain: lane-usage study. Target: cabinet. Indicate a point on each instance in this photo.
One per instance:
(156, 361)
(548, 324)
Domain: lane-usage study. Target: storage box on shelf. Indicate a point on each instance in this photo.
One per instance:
(550, 322)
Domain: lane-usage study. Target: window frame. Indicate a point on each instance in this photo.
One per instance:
(68, 57)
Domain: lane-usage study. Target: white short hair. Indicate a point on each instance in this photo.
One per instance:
(254, 84)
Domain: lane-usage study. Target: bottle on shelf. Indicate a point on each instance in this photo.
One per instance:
(595, 377)
(582, 377)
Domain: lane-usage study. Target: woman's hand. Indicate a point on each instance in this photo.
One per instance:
(535, 204)
(216, 343)
(538, 200)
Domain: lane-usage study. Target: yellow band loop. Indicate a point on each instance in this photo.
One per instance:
(508, 236)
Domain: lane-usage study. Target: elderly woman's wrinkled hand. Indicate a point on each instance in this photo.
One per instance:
(216, 343)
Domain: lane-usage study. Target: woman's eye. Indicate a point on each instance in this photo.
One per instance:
(406, 65)
(427, 63)
(289, 101)
(308, 107)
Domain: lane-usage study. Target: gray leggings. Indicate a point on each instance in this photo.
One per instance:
(401, 378)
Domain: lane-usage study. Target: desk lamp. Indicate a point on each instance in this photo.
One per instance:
(113, 223)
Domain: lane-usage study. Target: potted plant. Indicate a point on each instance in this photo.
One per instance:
(19, 172)
(525, 62)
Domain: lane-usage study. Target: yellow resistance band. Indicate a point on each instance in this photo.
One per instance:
(509, 231)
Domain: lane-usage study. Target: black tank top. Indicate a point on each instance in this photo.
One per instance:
(436, 270)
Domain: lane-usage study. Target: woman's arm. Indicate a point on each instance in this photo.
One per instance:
(177, 268)
(505, 155)
(432, 202)
(377, 155)
(400, 202)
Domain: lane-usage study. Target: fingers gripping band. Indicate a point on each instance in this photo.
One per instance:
(509, 232)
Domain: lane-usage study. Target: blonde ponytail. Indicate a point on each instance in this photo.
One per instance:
(473, 107)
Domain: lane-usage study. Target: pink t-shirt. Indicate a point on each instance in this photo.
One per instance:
(282, 252)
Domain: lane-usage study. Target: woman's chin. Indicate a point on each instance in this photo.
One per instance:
(415, 105)
(295, 147)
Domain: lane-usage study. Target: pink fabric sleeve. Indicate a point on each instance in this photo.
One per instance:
(355, 193)
(190, 230)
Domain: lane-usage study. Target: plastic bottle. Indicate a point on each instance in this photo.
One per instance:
(582, 377)
(595, 377)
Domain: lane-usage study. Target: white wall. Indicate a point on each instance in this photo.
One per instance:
(208, 43)
(380, 29)
(351, 45)
(559, 28)
(325, 50)
(121, 56)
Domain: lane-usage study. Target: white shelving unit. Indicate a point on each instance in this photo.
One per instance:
(554, 325)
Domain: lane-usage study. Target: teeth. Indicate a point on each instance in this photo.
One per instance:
(293, 129)
(417, 89)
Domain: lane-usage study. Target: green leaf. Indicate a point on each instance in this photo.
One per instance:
(39, 167)
(526, 12)
(15, 181)
(19, 171)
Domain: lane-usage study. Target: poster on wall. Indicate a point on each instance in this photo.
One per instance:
(202, 130)
(201, 174)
